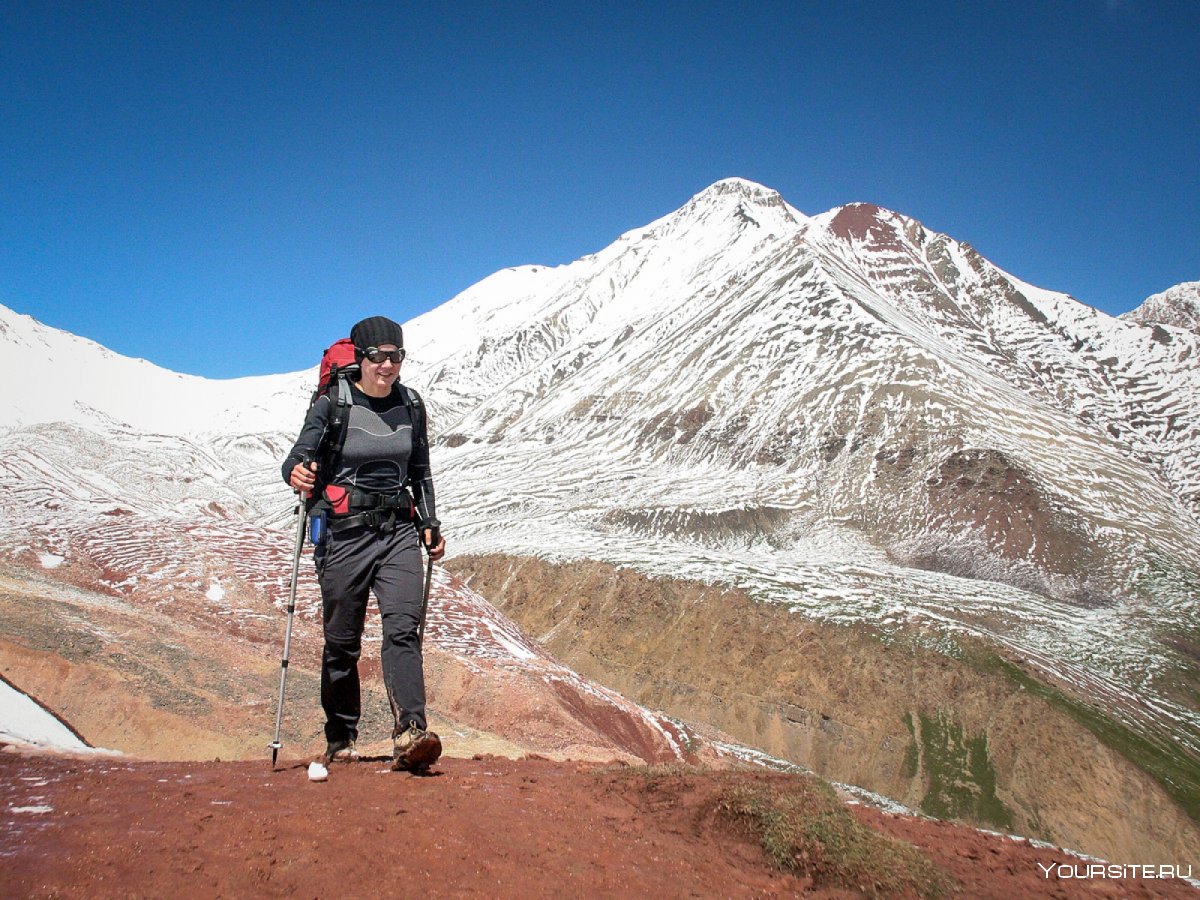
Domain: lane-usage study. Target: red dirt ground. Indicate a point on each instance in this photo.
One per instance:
(489, 826)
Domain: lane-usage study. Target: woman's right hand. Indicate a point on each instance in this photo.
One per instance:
(303, 477)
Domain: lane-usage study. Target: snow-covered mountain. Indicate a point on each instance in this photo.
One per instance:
(1178, 306)
(846, 413)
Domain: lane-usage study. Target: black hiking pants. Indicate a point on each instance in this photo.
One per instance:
(349, 565)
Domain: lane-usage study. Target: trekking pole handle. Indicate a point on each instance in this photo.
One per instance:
(435, 534)
(305, 463)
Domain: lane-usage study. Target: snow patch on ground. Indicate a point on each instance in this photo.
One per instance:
(23, 720)
(51, 560)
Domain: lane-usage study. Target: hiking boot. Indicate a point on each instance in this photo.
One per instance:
(341, 751)
(415, 749)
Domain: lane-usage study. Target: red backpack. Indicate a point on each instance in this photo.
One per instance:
(338, 360)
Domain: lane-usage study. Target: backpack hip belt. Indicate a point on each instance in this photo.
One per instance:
(353, 508)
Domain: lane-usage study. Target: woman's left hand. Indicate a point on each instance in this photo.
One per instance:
(438, 551)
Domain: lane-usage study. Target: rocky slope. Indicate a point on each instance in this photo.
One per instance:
(963, 734)
(186, 680)
(849, 415)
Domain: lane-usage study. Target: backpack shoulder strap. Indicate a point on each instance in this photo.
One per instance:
(416, 412)
(340, 401)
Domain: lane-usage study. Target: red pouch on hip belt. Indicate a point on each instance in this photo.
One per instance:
(338, 498)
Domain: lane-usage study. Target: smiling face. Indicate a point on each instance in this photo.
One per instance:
(377, 378)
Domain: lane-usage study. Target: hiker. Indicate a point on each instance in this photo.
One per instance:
(375, 495)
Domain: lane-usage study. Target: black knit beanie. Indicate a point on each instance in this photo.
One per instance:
(375, 332)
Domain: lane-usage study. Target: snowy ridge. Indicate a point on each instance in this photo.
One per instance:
(82, 383)
(845, 413)
(1178, 306)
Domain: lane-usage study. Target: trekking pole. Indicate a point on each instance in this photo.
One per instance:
(301, 517)
(425, 597)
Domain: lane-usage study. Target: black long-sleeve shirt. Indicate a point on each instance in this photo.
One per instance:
(381, 453)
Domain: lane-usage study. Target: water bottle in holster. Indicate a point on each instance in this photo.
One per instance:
(318, 527)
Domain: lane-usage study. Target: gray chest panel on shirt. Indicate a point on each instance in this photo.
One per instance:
(375, 454)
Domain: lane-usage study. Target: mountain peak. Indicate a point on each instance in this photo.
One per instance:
(736, 202)
(740, 187)
(1178, 305)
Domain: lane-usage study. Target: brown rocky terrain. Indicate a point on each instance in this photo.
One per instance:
(184, 682)
(982, 493)
(973, 738)
(488, 826)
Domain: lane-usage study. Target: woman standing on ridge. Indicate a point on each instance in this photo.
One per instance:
(376, 495)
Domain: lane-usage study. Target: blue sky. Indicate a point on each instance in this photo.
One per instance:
(223, 188)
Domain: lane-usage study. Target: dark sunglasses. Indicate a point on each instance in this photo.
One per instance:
(377, 356)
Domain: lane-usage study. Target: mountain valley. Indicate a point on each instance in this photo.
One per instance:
(831, 488)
